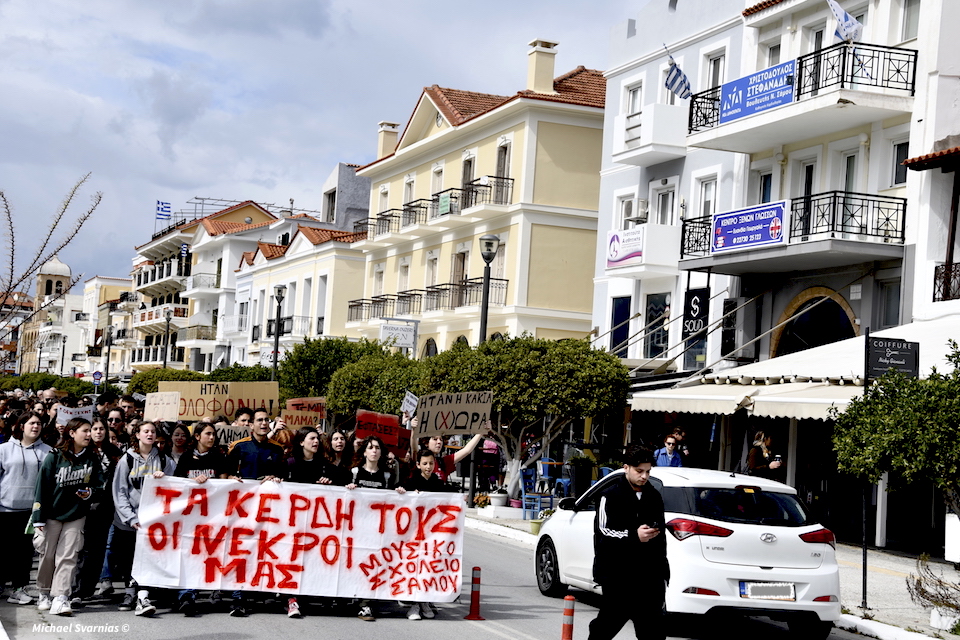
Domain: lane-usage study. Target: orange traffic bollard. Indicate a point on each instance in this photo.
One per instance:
(475, 597)
(566, 632)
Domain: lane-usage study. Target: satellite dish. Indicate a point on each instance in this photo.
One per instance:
(248, 219)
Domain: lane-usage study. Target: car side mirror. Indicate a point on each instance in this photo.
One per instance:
(567, 504)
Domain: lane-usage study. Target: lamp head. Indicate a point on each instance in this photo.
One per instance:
(168, 314)
(279, 291)
(488, 247)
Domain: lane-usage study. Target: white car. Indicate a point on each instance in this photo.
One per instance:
(735, 543)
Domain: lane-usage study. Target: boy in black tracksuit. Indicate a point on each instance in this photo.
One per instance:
(630, 553)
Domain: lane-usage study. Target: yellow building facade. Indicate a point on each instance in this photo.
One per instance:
(524, 168)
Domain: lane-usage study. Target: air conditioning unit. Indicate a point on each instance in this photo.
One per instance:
(738, 328)
(642, 212)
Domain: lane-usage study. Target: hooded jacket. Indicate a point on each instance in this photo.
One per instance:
(19, 469)
(61, 476)
(128, 483)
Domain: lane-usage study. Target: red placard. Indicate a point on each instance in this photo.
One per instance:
(387, 427)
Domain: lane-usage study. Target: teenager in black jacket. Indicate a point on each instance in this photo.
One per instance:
(630, 552)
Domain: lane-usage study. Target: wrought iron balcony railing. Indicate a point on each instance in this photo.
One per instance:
(844, 214)
(842, 65)
(415, 212)
(946, 282)
(492, 190)
(409, 302)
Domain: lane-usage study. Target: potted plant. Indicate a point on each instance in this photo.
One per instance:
(481, 500)
(537, 522)
(499, 497)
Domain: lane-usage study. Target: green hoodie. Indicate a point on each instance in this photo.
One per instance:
(61, 476)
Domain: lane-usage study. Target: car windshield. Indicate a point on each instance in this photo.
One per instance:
(747, 505)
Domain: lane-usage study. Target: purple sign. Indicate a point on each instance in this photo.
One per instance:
(757, 226)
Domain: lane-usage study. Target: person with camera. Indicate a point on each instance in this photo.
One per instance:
(630, 552)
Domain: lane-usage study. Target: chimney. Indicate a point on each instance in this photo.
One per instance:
(386, 138)
(540, 66)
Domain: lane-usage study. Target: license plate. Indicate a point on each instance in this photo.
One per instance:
(768, 590)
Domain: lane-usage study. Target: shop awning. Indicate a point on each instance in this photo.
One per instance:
(721, 399)
(803, 401)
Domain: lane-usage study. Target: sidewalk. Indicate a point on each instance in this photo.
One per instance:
(893, 615)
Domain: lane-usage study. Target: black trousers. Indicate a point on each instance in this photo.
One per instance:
(18, 559)
(636, 598)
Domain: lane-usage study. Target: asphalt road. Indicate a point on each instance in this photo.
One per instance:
(510, 602)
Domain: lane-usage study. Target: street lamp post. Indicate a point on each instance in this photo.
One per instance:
(63, 354)
(168, 314)
(109, 341)
(489, 244)
(279, 292)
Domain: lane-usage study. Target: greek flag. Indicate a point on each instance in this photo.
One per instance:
(849, 28)
(677, 80)
(163, 210)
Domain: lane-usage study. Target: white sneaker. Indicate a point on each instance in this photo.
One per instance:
(19, 597)
(61, 607)
(44, 603)
(414, 612)
(144, 607)
(366, 614)
(293, 609)
(427, 610)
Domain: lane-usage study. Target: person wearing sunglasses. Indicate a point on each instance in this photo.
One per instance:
(668, 456)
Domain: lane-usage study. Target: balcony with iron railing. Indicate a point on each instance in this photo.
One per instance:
(823, 230)
(292, 326)
(946, 282)
(834, 89)
(94, 352)
(436, 298)
(78, 357)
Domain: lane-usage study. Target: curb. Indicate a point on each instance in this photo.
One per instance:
(847, 622)
(504, 531)
(875, 629)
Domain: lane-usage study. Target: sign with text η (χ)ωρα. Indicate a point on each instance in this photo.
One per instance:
(761, 225)
(446, 414)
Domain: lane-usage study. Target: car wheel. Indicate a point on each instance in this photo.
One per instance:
(810, 627)
(548, 570)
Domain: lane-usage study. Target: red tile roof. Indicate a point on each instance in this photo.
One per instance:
(581, 86)
(760, 6)
(248, 257)
(934, 160)
(319, 236)
(271, 251)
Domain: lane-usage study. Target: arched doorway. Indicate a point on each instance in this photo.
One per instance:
(826, 323)
(429, 348)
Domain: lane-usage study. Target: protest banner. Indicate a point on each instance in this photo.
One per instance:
(162, 406)
(306, 539)
(448, 414)
(229, 433)
(202, 399)
(66, 414)
(387, 427)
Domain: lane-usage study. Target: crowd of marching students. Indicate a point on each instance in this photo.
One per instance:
(71, 492)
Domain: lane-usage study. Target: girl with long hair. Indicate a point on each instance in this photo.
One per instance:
(141, 460)
(68, 480)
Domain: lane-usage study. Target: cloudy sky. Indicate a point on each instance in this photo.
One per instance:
(237, 99)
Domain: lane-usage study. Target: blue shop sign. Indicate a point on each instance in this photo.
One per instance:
(757, 92)
(761, 225)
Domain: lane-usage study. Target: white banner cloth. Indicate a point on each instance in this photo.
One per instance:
(306, 539)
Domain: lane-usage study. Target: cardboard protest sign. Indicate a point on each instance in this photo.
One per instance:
(387, 427)
(202, 399)
(296, 419)
(230, 433)
(162, 406)
(307, 539)
(448, 414)
(314, 405)
(409, 404)
(66, 414)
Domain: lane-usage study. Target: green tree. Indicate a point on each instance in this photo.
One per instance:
(376, 382)
(306, 370)
(539, 386)
(239, 373)
(148, 381)
(907, 426)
